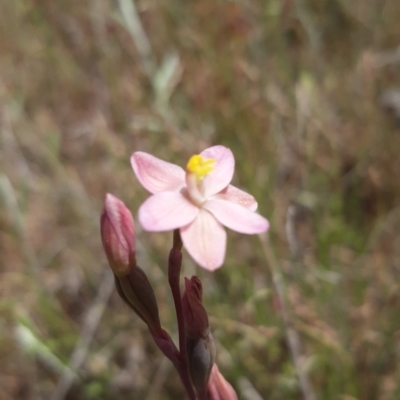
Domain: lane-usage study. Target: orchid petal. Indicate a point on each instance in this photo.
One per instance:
(236, 217)
(220, 178)
(157, 175)
(205, 241)
(237, 196)
(166, 211)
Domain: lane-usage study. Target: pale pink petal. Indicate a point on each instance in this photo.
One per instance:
(157, 175)
(222, 175)
(166, 211)
(236, 217)
(205, 241)
(237, 196)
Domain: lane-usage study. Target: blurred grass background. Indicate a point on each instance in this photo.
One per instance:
(306, 94)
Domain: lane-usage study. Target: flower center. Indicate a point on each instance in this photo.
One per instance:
(197, 169)
(200, 166)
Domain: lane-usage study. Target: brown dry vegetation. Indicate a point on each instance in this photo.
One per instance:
(295, 89)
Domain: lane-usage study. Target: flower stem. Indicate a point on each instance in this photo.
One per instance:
(174, 271)
(177, 240)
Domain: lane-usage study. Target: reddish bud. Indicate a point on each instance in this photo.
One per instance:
(118, 235)
(195, 315)
(135, 289)
(218, 387)
(200, 346)
(200, 355)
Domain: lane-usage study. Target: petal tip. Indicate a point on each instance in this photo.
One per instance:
(212, 267)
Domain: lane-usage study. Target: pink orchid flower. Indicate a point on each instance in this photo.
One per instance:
(198, 201)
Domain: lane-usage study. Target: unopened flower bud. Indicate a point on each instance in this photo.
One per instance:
(200, 346)
(200, 355)
(118, 235)
(135, 289)
(195, 315)
(218, 387)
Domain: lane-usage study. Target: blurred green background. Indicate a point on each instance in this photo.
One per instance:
(305, 93)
